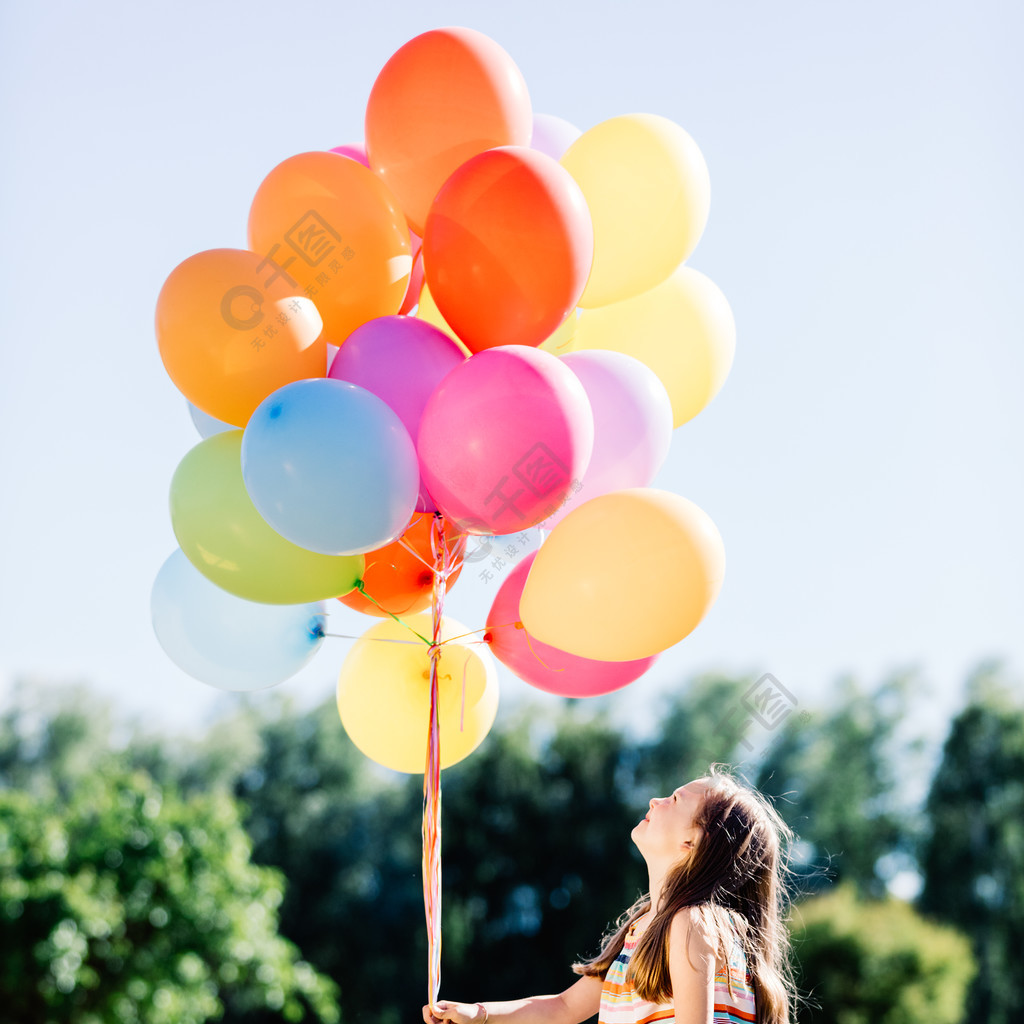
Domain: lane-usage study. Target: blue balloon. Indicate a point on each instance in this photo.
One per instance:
(224, 640)
(330, 466)
(206, 424)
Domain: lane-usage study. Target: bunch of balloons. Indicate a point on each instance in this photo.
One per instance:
(481, 321)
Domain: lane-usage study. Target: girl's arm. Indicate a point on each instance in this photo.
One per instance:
(577, 1003)
(691, 968)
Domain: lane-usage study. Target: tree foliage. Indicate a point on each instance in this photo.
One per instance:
(877, 962)
(973, 856)
(537, 858)
(838, 778)
(123, 901)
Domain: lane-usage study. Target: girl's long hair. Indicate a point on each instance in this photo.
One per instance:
(737, 864)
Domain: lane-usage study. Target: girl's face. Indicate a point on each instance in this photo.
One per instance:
(668, 829)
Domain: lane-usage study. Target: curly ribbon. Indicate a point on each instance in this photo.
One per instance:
(445, 561)
(442, 569)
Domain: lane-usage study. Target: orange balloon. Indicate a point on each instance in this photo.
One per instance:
(331, 228)
(508, 248)
(443, 97)
(400, 581)
(230, 332)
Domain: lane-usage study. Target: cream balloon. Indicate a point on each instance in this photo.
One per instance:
(648, 190)
(683, 329)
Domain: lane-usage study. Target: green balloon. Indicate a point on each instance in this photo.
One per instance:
(232, 545)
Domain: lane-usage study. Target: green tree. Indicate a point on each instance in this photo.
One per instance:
(973, 856)
(839, 778)
(50, 737)
(704, 722)
(122, 902)
(539, 861)
(536, 855)
(347, 836)
(877, 962)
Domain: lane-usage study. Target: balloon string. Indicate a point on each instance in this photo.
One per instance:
(431, 830)
(415, 554)
(361, 587)
(529, 643)
(462, 710)
(432, 770)
(395, 640)
(505, 625)
(482, 629)
(376, 639)
(456, 554)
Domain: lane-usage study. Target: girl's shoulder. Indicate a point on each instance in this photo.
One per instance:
(710, 929)
(702, 918)
(694, 925)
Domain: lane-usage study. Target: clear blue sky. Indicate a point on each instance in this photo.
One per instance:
(863, 461)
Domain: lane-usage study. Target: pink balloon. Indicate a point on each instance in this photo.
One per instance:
(354, 151)
(632, 424)
(412, 293)
(503, 438)
(401, 360)
(541, 665)
(553, 135)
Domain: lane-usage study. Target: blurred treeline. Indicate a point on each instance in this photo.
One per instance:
(269, 872)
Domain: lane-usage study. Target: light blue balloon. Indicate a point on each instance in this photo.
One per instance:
(330, 466)
(226, 641)
(206, 424)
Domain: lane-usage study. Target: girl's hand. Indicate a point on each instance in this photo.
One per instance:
(457, 1013)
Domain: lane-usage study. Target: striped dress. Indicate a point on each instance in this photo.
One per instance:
(620, 1003)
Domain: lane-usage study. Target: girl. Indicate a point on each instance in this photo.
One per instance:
(707, 944)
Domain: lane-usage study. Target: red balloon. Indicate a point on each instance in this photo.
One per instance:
(508, 248)
(443, 97)
(543, 666)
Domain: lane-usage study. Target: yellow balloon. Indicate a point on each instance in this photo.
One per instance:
(558, 342)
(683, 329)
(232, 545)
(647, 186)
(664, 571)
(563, 339)
(427, 310)
(384, 694)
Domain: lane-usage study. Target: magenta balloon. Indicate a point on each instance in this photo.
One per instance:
(354, 151)
(504, 437)
(632, 424)
(553, 135)
(541, 665)
(401, 360)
